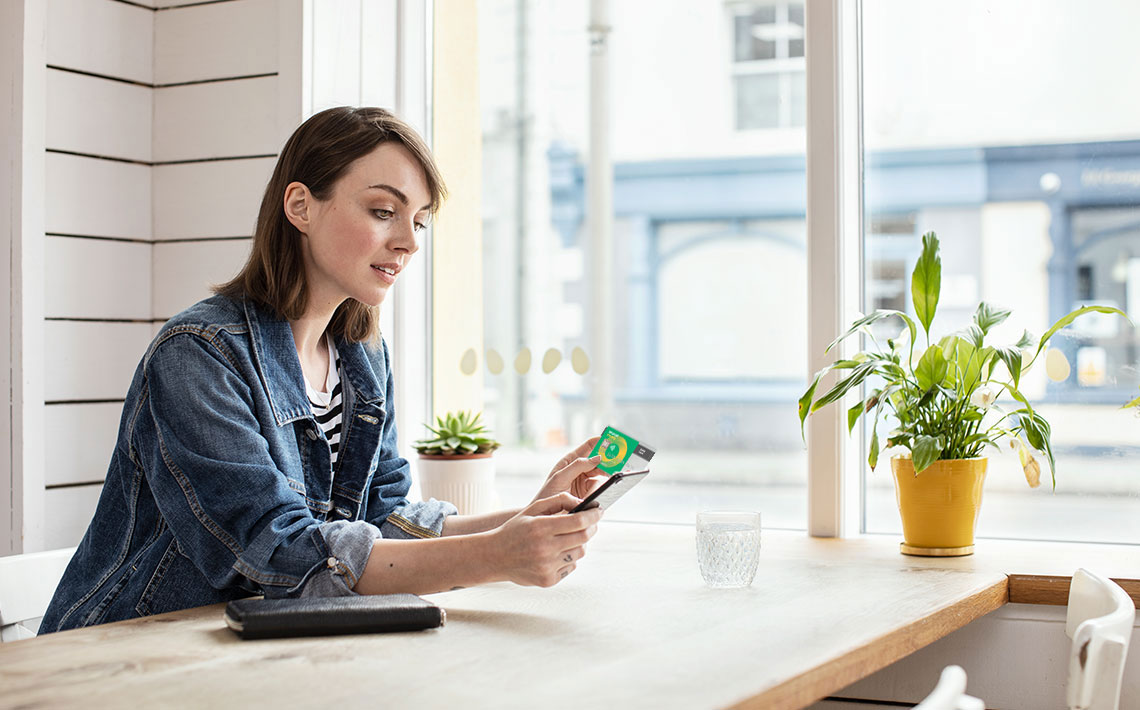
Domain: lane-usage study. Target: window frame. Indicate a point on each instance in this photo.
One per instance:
(834, 227)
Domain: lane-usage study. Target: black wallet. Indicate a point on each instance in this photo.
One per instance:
(324, 616)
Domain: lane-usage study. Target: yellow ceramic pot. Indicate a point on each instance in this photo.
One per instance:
(939, 507)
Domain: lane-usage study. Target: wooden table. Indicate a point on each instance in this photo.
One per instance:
(633, 627)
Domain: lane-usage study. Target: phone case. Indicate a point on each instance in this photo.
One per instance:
(611, 490)
(278, 618)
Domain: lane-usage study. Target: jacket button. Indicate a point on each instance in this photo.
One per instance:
(312, 434)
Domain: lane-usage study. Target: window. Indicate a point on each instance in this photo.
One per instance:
(1033, 192)
(708, 259)
(1031, 178)
(768, 64)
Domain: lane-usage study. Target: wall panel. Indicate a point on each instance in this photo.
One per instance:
(215, 41)
(187, 270)
(96, 278)
(102, 37)
(69, 512)
(98, 116)
(216, 120)
(211, 199)
(87, 361)
(95, 197)
(82, 439)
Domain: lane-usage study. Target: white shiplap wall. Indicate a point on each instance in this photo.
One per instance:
(162, 125)
(161, 121)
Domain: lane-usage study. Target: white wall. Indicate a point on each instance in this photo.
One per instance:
(162, 125)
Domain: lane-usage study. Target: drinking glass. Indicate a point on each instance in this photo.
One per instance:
(728, 547)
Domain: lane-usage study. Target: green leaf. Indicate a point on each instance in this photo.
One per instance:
(1011, 356)
(868, 320)
(987, 317)
(853, 415)
(974, 334)
(805, 402)
(841, 388)
(926, 281)
(1133, 403)
(966, 363)
(931, 368)
(873, 456)
(1026, 341)
(1072, 316)
(925, 451)
(1038, 433)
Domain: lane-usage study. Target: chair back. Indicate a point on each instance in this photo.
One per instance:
(1099, 621)
(27, 583)
(950, 693)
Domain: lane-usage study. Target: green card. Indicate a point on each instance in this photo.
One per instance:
(615, 449)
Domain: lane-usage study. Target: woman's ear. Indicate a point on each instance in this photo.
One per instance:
(298, 199)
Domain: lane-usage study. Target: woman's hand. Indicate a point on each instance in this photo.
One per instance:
(575, 473)
(543, 543)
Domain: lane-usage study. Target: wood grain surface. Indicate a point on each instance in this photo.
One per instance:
(634, 626)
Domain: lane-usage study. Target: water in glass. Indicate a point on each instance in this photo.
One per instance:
(728, 551)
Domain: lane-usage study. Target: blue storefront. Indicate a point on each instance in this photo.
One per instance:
(1091, 190)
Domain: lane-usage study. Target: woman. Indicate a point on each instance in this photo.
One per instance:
(257, 447)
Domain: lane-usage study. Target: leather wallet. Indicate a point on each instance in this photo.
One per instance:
(324, 616)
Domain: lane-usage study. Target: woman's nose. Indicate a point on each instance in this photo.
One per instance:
(406, 239)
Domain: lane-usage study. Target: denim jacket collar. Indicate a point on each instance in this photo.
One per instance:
(275, 356)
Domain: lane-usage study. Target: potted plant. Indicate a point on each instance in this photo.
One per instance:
(455, 463)
(943, 404)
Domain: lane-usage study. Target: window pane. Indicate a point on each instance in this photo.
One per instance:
(758, 101)
(982, 123)
(796, 18)
(748, 45)
(708, 258)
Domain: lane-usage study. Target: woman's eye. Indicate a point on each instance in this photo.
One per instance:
(384, 214)
(420, 226)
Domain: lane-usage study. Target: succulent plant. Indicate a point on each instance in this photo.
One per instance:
(457, 434)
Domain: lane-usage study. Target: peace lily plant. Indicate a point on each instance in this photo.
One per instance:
(944, 398)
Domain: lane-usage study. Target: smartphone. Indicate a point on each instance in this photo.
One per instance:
(611, 490)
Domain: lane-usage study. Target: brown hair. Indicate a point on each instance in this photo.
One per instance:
(316, 155)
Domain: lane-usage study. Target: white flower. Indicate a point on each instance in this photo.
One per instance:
(983, 397)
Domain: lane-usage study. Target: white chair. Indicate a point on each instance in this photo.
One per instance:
(27, 583)
(950, 693)
(1099, 622)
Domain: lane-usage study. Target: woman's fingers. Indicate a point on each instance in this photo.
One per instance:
(557, 503)
(581, 451)
(585, 484)
(564, 476)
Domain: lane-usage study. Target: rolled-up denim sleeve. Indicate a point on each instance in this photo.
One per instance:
(417, 520)
(212, 475)
(350, 547)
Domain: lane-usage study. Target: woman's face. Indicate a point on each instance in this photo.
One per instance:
(358, 241)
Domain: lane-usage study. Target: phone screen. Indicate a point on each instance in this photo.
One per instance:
(611, 490)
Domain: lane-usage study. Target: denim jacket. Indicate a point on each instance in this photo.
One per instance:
(220, 485)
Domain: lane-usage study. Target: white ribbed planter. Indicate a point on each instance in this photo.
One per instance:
(466, 481)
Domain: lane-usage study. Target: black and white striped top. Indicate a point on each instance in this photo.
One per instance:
(327, 405)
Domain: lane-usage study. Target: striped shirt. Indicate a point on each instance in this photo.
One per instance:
(327, 405)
